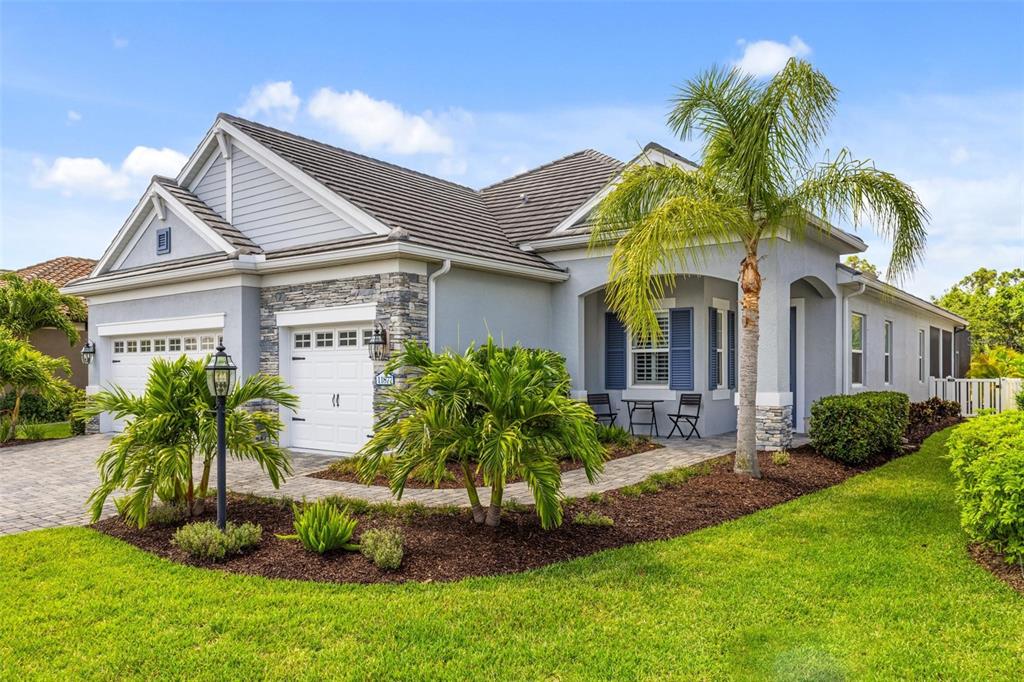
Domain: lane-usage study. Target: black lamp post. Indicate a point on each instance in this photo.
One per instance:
(378, 343)
(88, 352)
(220, 378)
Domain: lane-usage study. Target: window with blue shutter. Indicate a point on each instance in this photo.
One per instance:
(732, 349)
(713, 348)
(163, 241)
(680, 348)
(614, 353)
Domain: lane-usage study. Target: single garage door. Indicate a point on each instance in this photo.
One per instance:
(131, 356)
(332, 374)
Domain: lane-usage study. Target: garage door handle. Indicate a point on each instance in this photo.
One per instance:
(115, 361)
(298, 419)
(295, 358)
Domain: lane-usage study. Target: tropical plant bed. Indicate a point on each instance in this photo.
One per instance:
(346, 469)
(996, 564)
(445, 544)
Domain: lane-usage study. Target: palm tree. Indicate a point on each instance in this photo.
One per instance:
(28, 305)
(24, 370)
(756, 181)
(496, 411)
(172, 424)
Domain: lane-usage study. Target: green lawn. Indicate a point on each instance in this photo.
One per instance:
(868, 579)
(45, 431)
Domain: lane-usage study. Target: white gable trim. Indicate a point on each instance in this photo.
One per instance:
(166, 324)
(347, 211)
(193, 221)
(356, 312)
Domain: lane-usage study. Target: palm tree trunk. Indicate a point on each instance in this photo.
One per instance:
(474, 499)
(14, 415)
(746, 418)
(494, 510)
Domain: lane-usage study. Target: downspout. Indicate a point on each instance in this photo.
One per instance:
(445, 268)
(846, 335)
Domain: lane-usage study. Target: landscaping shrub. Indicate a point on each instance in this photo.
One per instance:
(855, 428)
(6, 429)
(988, 465)
(1020, 400)
(322, 527)
(613, 435)
(929, 416)
(384, 547)
(33, 431)
(592, 519)
(204, 540)
(780, 458)
(36, 408)
(167, 514)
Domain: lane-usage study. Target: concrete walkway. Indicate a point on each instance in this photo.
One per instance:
(47, 484)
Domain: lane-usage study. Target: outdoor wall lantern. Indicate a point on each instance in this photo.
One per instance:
(378, 343)
(88, 352)
(220, 378)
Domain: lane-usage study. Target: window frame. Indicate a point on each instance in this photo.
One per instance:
(921, 362)
(721, 351)
(887, 346)
(653, 350)
(858, 351)
(175, 344)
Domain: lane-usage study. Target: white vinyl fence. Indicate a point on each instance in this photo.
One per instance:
(978, 394)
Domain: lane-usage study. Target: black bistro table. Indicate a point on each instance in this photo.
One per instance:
(633, 406)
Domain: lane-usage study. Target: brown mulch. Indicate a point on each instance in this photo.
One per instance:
(455, 478)
(446, 545)
(995, 563)
(917, 435)
(20, 441)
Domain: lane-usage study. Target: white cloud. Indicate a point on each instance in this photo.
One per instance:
(375, 124)
(767, 57)
(73, 116)
(95, 177)
(276, 99)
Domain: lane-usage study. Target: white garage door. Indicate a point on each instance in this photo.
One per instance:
(131, 356)
(332, 374)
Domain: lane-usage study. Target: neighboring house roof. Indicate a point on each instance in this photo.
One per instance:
(59, 270)
(429, 210)
(197, 206)
(531, 204)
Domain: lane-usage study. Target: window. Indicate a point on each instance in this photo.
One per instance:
(719, 350)
(159, 345)
(887, 348)
(348, 338)
(650, 358)
(206, 343)
(133, 346)
(324, 339)
(857, 349)
(118, 346)
(163, 241)
(303, 340)
(145, 346)
(367, 336)
(920, 355)
(191, 343)
(174, 345)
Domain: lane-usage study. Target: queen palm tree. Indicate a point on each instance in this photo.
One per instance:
(756, 181)
(24, 370)
(28, 305)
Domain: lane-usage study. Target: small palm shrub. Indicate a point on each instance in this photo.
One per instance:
(491, 410)
(780, 458)
(384, 547)
(855, 428)
(592, 519)
(613, 435)
(322, 527)
(204, 540)
(987, 456)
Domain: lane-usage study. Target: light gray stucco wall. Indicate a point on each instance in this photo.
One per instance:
(185, 243)
(471, 304)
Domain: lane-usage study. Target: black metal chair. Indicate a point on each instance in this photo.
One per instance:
(596, 400)
(688, 400)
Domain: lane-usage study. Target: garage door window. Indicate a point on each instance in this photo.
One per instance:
(191, 343)
(303, 340)
(174, 345)
(133, 347)
(324, 339)
(348, 338)
(159, 345)
(145, 346)
(206, 343)
(118, 346)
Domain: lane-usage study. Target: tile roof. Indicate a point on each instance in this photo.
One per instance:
(431, 211)
(226, 230)
(60, 270)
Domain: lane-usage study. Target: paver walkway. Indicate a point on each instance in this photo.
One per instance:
(46, 484)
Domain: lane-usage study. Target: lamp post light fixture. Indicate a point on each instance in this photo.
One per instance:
(88, 352)
(378, 343)
(220, 379)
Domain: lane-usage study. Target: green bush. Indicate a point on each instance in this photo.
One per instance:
(592, 519)
(613, 435)
(929, 416)
(780, 458)
(384, 547)
(33, 431)
(203, 540)
(988, 465)
(1020, 400)
(322, 527)
(167, 514)
(855, 428)
(35, 408)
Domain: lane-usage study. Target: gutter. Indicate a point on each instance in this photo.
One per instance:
(846, 334)
(445, 268)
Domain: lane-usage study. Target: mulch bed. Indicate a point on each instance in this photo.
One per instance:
(995, 563)
(447, 545)
(615, 452)
(20, 441)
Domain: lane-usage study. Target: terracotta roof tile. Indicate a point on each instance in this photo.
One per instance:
(59, 270)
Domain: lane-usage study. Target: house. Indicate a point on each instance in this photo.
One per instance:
(296, 253)
(54, 343)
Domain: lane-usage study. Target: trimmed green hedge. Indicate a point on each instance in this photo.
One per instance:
(856, 428)
(988, 464)
(36, 410)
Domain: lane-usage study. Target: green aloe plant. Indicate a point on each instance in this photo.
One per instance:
(321, 527)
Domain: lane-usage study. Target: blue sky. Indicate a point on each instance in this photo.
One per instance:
(97, 97)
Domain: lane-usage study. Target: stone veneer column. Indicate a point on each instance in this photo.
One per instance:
(774, 398)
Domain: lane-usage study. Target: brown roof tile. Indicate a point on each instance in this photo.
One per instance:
(59, 270)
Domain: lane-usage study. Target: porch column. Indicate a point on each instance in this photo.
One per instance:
(774, 398)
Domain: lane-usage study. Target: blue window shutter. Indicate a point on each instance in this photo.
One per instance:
(614, 353)
(732, 349)
(712, 344)
(680, 349)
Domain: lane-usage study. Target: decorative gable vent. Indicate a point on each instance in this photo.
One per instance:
(163, 241)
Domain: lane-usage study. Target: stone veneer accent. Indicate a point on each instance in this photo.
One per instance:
(92, 426)
(774, 427)
(401, 300)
